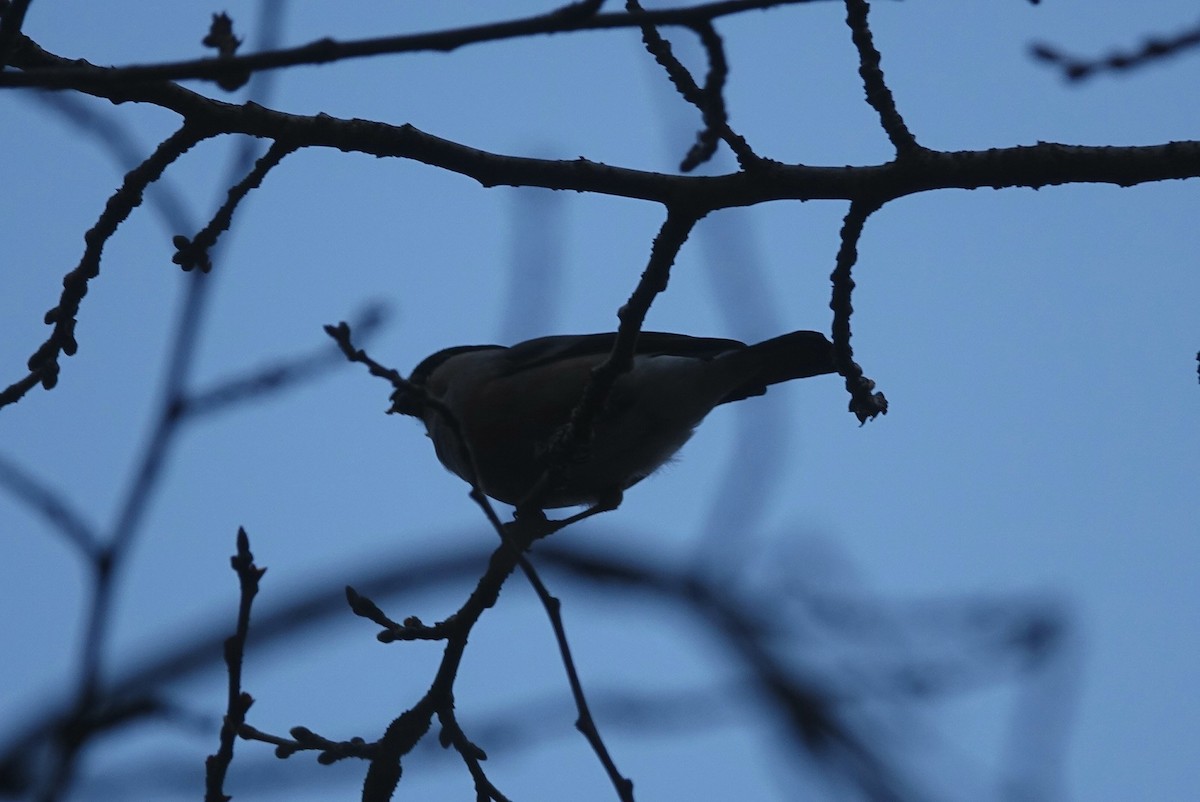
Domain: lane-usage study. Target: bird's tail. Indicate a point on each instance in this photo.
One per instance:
(797, 355)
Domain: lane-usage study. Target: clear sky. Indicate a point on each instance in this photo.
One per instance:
(1038, 349)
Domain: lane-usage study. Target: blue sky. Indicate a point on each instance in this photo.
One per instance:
(1038, 349)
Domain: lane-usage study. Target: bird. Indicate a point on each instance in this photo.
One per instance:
(510, 404)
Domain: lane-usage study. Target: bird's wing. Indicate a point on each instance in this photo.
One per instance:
(544, 350)
(429, 364)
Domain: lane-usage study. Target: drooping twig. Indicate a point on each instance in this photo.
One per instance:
(716, 116)
(864, 402)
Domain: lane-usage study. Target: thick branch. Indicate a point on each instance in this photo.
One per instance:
(1036, 166)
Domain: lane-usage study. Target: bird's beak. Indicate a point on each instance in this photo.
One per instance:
(408, 400)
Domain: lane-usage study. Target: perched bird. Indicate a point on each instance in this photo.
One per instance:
(510, 403)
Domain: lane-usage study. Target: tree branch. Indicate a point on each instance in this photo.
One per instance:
(1036, 166)
(193, 253)
(52, 506)
(878, 94)
(238, 702)
(709, 101)
(1153, 48)
(864, 402)
(43, 365)
(327, 50)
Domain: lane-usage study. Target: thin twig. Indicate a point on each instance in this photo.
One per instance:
(584, 723)
(193, 253)
(324, 51)
(878, 94)
(811, 706)
(341, 334)
(472, 755)
(709, 100)
(716, 117)
(238, 702)
(52, 506)
(305, 740)
(407, 730)
(43, 364)
(864, 402)
(125, 149)
(1152, 49)
(275, 378)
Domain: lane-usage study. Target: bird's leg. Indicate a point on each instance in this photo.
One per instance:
(607, 502)
(532, 514)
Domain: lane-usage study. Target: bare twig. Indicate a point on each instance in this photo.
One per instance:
(472, 755)
(716, 117)
(341, 334)
(52, 506)
(1152, 49)
(878, 94)
(193, 253)
(43, 365)
(984, 639)
(275, 378)
(324, 51)
(123, 147)
(864, 402)
(710, 100)
(584, 723)
(305, 740)
(239, 702)
(813, 709)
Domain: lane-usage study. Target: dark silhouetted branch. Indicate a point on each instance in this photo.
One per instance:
(324, 51)
(193, 253)
(238, 702)
(864, 402)
(44, 363)
(878, 94)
